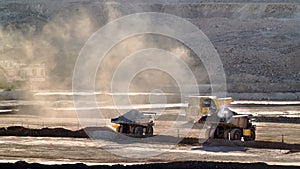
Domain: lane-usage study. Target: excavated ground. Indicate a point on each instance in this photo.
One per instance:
(87, 132)
(172, 165)
(258, 43)
(50, 145)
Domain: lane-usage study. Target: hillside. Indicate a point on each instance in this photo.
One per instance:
(258, 42)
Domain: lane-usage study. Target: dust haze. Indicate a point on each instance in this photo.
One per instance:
(58, 42)
(55, 45)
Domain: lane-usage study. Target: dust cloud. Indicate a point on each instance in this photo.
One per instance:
(56, 43)
(56, 46)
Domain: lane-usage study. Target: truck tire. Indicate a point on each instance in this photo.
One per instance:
(138, 131)
(251, 137)
(226, 134)
(219, 132)
(123, 129)
(235, 134)
(120, 129)
(149, 131)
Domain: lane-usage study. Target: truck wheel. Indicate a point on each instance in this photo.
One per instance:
(235, 134)
(120, 129)
(226, 134)
(149, 131)
(219, 132)
(138, 130)
(251, 137)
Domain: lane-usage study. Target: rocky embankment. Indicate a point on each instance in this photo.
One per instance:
(44, 132)
(172, 165)
(258, 41)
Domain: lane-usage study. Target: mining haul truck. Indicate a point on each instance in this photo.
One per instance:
(135, 123)
(220, 120)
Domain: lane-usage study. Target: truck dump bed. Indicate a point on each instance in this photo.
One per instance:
(134, 117)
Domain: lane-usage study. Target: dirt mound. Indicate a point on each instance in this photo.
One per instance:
(279, 119)
(44, 132)
(51, 132)
(254, 144)
(173, 165)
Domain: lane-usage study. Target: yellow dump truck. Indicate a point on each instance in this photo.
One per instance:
(221, 122)
(135, 123)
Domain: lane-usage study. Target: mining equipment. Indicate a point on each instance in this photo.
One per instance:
(220, 121)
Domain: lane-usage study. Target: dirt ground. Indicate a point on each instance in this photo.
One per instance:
(266, 131)
(273, 130)
(47, 150)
